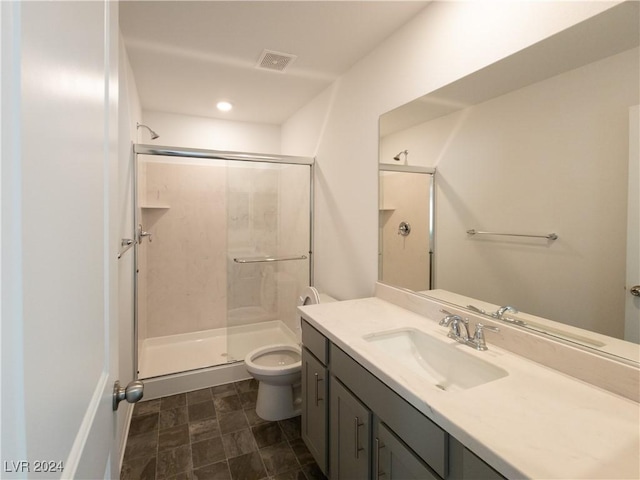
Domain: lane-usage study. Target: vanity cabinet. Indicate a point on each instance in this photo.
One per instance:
(350, 427)
(414, 435)
(314, 424)
(372, 431)
(363, 447)
(394, 461)
(464, 464)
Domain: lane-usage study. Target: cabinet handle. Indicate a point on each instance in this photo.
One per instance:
(379, 445)
(357, 425)
(318, 379)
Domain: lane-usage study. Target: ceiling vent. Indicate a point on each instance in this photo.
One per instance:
(275, 61)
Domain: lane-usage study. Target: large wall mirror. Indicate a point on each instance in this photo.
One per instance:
(537, 185)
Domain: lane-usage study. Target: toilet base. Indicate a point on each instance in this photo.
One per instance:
(277, 402)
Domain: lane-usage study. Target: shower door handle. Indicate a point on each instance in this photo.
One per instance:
(142, 234)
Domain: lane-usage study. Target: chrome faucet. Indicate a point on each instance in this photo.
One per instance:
(459, 330)
(459, 327)
(499, 314)
(502, 310)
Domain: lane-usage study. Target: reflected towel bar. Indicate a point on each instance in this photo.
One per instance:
(267, 259)
(550, 236)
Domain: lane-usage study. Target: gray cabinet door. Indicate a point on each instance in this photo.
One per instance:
(394, 461)
(314, 408)
(350, 435)
(420, 434)
(465, 465)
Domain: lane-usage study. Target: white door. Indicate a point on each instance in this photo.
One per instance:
(632, 306)
(59, 246)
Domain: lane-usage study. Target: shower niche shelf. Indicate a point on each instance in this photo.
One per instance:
(155, 207)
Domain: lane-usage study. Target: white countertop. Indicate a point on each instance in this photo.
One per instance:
(533, 423)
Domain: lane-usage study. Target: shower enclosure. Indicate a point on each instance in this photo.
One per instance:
(224, 250)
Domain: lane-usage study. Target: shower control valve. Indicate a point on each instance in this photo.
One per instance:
(404, 229)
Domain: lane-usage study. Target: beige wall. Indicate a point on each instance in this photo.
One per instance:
(186, 261)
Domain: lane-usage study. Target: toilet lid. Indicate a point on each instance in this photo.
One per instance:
(309, 296)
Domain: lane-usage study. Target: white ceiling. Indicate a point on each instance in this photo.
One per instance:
(188, 55)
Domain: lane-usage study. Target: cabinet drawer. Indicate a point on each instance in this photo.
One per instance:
(315, 342)
(423, 436)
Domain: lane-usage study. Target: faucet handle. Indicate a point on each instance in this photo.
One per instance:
(478, 336)
(476, 309)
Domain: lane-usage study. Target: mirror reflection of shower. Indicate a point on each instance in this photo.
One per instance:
(406, 248)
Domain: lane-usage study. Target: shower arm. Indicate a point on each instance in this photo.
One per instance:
(153, 134)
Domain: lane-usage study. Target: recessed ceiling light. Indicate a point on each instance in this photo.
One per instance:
(224, 106)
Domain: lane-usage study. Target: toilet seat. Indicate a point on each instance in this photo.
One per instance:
(278, 359)
(309, 296)
(278, 369)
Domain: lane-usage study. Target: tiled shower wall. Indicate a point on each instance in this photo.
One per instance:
(405, 259)
(186, 265)
(201, 216)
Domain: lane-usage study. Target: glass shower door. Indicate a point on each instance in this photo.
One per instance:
(222, 257)
(268, 242)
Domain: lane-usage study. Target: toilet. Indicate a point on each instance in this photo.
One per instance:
(278, 369)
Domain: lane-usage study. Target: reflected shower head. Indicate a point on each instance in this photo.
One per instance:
(397, 157)
(154, 135)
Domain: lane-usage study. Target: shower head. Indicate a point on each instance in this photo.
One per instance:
(397, 157)
(154, 135)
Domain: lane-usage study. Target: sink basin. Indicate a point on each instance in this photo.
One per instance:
(443, 364)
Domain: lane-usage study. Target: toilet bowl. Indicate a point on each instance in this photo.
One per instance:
(278, 369)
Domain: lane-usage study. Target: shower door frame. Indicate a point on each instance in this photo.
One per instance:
(168, 151)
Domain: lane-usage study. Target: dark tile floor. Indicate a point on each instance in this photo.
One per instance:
(214, 433)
